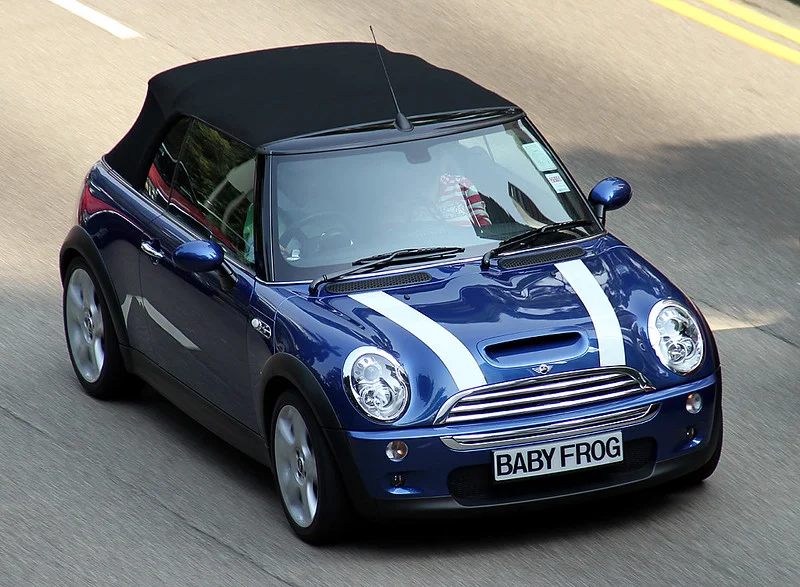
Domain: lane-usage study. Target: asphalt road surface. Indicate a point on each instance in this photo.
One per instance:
(705, 126)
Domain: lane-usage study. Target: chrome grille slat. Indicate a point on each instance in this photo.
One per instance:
(554, 431)
(537, 395)
(535, 399)
(536, 409)
(507, 392)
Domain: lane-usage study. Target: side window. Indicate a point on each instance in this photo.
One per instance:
(159, 178)
(213, 191)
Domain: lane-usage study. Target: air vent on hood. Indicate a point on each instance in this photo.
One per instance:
(527, 351)
(350, 286)
(556, 256)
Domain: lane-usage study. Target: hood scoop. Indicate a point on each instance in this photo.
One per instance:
(534, 350)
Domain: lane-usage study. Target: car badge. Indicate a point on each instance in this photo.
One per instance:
(543, 369)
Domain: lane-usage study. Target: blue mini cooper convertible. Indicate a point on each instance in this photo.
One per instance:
(376, 277)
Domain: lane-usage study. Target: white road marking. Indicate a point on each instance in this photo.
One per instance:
(106, 23)
(451, 351)
(604, 318)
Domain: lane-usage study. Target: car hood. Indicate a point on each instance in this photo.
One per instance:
(465, 327)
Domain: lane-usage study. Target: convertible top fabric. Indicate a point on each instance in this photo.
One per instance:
(269, 95)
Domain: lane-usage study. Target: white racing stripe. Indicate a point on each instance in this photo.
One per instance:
(106, 23)
(452, 352)
(606, 323)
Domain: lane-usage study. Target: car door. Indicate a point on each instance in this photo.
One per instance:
(198, 321)
(120, 235)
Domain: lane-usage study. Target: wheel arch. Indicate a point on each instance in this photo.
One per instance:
(78, 244)
(283, 371)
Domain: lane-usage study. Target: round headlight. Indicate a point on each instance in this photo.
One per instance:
(377, 383)
(675, 337)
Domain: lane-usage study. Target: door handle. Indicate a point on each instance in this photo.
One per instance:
(151, 251)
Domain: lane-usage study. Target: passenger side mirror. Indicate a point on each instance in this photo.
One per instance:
(609, 194)
(199, 256)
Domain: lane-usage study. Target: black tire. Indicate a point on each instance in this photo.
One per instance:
(697, 476)
(113, 380)
(333, 510)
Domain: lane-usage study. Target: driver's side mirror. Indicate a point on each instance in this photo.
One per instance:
(199, 256)
(609, 194)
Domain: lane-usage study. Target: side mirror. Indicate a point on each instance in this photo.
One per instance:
(610, 194)
(199, 256)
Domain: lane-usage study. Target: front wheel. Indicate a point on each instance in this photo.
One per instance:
(310, 486)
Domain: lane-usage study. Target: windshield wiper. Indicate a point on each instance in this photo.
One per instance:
(374, 262)
(529, 237)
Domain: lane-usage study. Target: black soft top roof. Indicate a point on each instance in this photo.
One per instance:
(265, 96)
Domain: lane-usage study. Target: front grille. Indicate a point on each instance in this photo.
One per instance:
(553, 431)
(475, 485)
(543, 394)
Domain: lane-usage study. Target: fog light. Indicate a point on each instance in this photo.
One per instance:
(694, 403)
(691, 433)
(396, 450)
(398, 480)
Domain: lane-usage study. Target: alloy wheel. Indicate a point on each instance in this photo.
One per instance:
(84, 320)
(296, 466)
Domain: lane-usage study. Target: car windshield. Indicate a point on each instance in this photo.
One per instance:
(471, 190)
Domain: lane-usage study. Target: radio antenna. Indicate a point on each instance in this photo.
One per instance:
(400, 121)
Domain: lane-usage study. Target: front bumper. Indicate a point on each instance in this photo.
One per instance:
(439, 479)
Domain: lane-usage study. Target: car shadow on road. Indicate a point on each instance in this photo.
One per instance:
(495, 530)
(202, 443)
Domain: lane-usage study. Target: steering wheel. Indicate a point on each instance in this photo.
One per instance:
(293, 230)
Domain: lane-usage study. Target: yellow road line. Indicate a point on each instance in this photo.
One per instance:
(756, 18)
(732, 30)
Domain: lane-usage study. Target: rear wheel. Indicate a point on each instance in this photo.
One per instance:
(91, 339)
(310, 486)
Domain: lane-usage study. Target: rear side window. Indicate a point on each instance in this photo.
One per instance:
(158, 184)
(213, 189)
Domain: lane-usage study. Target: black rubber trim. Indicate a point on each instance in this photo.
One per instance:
(518, 261)
(351, 475)
(301, 378)
(350, 286)
(79, 243)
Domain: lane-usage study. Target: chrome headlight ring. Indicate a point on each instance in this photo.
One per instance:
(675, 335)
(377, 384)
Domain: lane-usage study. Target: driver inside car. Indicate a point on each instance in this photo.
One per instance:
(454, 198)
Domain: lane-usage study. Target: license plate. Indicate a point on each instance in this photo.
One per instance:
(557, 457)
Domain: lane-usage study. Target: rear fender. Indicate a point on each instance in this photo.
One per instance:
(78, 243)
